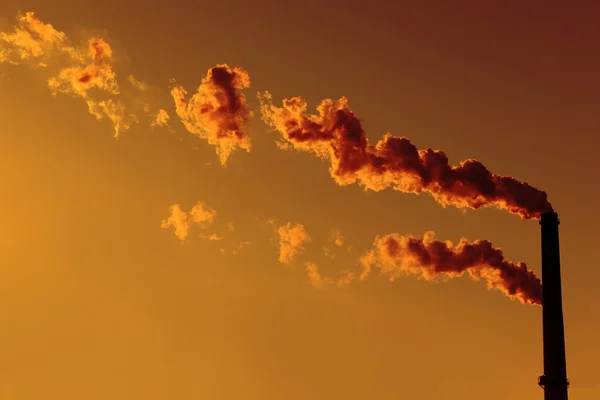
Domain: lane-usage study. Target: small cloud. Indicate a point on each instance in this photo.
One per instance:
(203, 215)
(314, 277)
(240, 247)
(317, 280)
(161, 118)
(292, 238)
(181, 221)
(212, 237)
(328, 253)
(236, 250)
(336, 236)
(282, 145)
(139, 85)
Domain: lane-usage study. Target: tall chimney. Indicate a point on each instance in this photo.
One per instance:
(554, 381)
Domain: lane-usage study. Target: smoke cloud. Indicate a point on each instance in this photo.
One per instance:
(317, 280)
(33, 41)
(337, 239)
(292, 238)
(87, 73)
(218, 111)
(336, 134)
(397, 255)
(238, 248)
(161, 118)
(182, 221)
(336, 236)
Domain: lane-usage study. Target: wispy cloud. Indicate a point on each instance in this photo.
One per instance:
(161, 118)
(317, 280)
(292, 238)
(181, 221)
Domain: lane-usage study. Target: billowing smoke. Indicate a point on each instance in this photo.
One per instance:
(336, 134)
(94, 71)
(218, 111)
(395, 255)
(87, 73)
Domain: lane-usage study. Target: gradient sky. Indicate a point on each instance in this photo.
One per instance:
(97, 301)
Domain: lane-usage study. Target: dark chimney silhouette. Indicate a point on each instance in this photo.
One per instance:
(554, 381)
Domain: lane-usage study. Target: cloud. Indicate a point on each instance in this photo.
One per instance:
(218, 111)
(425, 257)
(181, 221)
(292, 238)
(335, 133)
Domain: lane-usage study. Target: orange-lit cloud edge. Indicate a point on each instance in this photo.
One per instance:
(218, 112)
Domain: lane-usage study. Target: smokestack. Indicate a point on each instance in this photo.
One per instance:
(554, 381)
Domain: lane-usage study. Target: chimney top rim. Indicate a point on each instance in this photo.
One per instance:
(549, 218)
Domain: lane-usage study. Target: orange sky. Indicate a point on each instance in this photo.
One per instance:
(255, 286)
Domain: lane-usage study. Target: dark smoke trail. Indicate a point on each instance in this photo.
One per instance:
(336, 134)
(396, 255)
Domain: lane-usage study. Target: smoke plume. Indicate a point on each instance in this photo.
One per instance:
(217, 112)
(336, 134)
(397, 255)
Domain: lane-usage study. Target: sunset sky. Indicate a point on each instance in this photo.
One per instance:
(152, 251)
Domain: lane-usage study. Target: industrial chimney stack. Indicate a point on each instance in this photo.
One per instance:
(554, 381)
